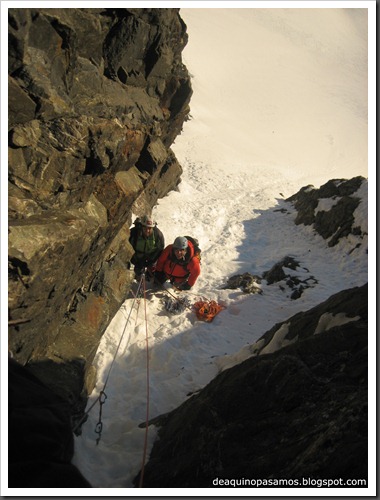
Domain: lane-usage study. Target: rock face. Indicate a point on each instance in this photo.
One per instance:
(338, 220)
(40, 437)
(96, 98)
(296, 409)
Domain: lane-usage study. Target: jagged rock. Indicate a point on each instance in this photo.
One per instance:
(279, 273)
(250, 283)
(343, 307)
(338, 220)
(247, 282)
(294, 410)
(96, 98)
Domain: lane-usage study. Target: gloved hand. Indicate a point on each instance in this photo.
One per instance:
(184, 286)
(150, 273)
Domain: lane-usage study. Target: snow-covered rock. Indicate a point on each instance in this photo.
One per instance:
(296, 409)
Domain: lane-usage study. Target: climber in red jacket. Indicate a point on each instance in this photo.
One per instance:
(179, 264)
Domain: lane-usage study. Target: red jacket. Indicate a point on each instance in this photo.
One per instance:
(179, 271)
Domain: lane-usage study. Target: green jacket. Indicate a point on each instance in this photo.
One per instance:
(147, 250)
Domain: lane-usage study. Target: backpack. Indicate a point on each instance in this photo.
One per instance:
(197, 250)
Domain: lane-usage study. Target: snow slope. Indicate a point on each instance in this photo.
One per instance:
(285, 88)
(280, 101)
(240, 230)
(282, 106)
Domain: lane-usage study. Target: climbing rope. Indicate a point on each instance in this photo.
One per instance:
(102, 395)
(206, 310)
(147, 392)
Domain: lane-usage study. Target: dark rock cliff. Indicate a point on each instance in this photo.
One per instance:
(296, 410)
(96, 98)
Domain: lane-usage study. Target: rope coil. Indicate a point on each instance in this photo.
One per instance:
(206, 310)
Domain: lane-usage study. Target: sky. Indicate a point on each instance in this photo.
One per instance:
(280, 101)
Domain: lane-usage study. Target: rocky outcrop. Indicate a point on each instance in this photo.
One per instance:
(337, 211)
(331, 208)
(279, 273)
(295, 410)
(96, 98)
(247, 282)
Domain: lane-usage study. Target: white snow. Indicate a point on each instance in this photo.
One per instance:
(278, 341)
(279, 105)
(288, 91)
(239, 231)
(328, 321)
(280, 102)
(326, 204)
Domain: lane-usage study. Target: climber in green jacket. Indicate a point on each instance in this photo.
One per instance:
(148, 243)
